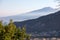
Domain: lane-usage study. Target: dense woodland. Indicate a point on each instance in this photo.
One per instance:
(11, 32)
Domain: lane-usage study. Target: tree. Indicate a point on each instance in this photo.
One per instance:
(23, 33)
(11, 28)
(6, 36)
(17, 34)
(28, 37)
(11, 32)
(58, 1)
(2, 30)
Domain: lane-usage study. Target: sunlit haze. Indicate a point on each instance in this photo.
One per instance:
(15, 7)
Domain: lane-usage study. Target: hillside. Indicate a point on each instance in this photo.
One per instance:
(49, 24)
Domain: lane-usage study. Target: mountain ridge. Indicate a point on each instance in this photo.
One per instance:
(29, 15)
(49, 24)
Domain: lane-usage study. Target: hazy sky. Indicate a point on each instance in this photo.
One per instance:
(13, 7)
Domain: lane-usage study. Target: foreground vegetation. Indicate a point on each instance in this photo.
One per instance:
(11, 32)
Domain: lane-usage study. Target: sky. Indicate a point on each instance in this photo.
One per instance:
(15, 7)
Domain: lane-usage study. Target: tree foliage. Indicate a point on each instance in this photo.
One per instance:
(11, 32)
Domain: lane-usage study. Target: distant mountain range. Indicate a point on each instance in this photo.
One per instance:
(29, 15)
(45, 25)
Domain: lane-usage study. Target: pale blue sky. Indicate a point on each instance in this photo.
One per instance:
(13, 7)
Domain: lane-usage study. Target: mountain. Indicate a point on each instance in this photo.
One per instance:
(46, 9)
(29, 15)
(45, 25)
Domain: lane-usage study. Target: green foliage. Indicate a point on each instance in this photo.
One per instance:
(28, 37)
(11, 32)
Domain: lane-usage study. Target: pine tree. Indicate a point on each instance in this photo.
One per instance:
(2, 30)
(11, 28)
(17, 34)
(28, 37)
(1, 26)
(23, 33)
(6, 36)
(11, 32)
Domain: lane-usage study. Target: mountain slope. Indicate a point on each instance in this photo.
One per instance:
(30, 15)
(49, 24)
